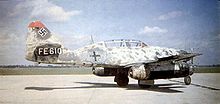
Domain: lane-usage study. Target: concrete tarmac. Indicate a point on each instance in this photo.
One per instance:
(91, 89)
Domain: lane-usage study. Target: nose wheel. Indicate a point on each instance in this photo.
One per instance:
(187, 80)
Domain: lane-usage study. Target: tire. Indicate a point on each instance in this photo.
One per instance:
(122, 80)
(187, 80)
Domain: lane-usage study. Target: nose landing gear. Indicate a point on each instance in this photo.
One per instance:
(187, 80)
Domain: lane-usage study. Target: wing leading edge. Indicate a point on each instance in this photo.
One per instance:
(184, 57)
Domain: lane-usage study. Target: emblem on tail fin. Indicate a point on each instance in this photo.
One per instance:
(42, 32)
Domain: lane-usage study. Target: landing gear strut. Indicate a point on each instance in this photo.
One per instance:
(187, 80)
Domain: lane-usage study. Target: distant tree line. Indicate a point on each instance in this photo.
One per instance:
(37, 66)
(217, 65)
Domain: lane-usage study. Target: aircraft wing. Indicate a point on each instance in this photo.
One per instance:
(185, 56)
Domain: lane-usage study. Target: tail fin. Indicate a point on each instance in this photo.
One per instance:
(41, 45)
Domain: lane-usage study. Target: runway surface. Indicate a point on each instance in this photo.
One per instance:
(90, 89)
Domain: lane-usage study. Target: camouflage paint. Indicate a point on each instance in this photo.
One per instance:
(97, 53)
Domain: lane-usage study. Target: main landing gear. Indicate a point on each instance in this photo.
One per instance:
(187, 80)
(121, 78)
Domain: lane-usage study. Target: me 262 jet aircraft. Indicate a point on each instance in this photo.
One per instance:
(120, 58)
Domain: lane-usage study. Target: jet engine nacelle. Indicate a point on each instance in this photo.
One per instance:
(100, 71)
(139, 72)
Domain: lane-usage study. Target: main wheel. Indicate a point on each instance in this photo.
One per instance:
(187, 80)
(122, 80)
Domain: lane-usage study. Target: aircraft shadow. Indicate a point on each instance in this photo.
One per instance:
(164, 88)
(197, 85)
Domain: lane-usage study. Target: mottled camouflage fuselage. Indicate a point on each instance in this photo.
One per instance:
(99, 53)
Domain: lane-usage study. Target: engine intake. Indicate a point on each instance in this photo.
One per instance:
(100, 71)
(139, 72)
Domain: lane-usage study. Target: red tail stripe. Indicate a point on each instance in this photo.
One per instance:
(36, 24)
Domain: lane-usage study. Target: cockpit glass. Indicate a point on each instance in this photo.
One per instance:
(124, 43)
(133, 44)
(113, 44)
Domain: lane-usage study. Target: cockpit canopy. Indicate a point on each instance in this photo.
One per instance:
(124, 43)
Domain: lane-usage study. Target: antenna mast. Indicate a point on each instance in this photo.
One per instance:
(92, 41)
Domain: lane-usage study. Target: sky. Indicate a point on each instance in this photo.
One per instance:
(191, 25)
